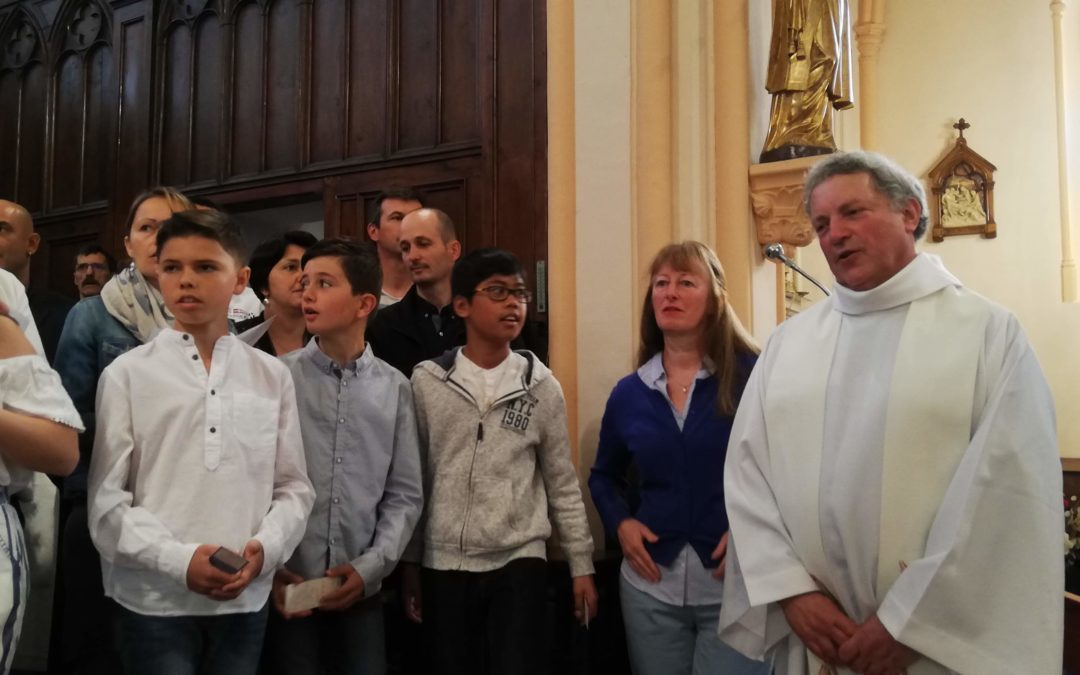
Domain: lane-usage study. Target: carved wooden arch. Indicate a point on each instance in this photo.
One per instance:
(82, 105)
(80, 25)
(187, 11)
(173, 18)
(22, 41)
(190, 13)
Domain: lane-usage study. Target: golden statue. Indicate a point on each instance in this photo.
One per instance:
(809, 75)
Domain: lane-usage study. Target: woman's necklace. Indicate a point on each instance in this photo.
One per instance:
(674, 382)
(683, 389)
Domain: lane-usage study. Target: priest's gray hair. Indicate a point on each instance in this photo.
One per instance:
(890, 179)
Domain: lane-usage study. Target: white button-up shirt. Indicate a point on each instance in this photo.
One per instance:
(184, 457)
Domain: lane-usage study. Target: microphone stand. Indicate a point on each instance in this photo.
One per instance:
(776, 252)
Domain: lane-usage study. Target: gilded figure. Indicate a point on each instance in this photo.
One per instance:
(809, 76)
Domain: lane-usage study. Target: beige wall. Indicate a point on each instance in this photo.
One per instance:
(936, 65)
(943, 60)
(938, 61)
(646, 172)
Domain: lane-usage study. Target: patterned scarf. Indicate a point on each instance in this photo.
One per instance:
(132, 301)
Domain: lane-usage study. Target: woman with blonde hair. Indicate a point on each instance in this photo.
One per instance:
(671, 420)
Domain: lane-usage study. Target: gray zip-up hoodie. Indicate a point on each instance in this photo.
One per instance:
(491, 477)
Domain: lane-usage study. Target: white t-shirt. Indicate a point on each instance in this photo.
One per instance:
(486, 384)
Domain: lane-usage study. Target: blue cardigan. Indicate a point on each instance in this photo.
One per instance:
(681, 472)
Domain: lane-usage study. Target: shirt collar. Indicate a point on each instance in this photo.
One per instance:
(173, 336)
(653, 375)
(327, 365)
(424, 308)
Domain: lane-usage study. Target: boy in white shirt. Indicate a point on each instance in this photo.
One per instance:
(198, 447)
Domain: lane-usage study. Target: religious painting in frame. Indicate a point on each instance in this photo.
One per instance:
(962, 190)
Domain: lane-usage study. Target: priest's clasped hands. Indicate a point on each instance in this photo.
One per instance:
(837, 640)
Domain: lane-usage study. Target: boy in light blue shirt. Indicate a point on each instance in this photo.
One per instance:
(359, 430)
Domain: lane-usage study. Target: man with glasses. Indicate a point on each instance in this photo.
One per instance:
(93, 267)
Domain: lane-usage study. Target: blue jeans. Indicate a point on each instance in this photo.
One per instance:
(221, 644)
(667, 639)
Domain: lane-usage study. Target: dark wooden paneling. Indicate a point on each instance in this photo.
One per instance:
(176, 106)
(282, 148)
(514, 150)
(134, 129)
(248, 76)
(270, 99)
(68, 135)
(417, 114)
(29, 190)
(459, 86)
(10, 83)
(207, 106)
(83, 86)
(100, 124)
(371, 70)
(329, 76)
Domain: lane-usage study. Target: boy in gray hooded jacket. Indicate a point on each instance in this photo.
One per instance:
(496, 462)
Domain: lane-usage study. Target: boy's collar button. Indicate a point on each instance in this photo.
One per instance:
(186, 336)
(194, 357)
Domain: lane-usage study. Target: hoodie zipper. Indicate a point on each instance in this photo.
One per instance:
(469, 492)
(476, 449)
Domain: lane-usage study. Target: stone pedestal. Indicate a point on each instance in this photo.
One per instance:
(776, 192)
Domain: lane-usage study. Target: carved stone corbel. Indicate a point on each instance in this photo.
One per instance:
(776, 193)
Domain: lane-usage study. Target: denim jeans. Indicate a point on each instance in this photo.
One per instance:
(221, 644)
(667, 639)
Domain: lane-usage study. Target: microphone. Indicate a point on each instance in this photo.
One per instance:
(776, 252)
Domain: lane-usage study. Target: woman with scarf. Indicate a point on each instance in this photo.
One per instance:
(129, 311)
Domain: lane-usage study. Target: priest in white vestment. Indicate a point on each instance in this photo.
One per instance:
(893, 481)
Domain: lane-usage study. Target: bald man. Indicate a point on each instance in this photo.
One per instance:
(18, 243)
(423, 324)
